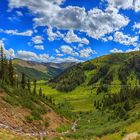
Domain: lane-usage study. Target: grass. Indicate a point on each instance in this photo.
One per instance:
(77, 98)
(6, 135)
(92, 123)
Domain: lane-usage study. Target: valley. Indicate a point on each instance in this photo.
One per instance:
(97, 99)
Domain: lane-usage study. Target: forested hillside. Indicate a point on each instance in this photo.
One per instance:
(105, 94)
(100, 98)
(107, 70)
(39, 71)
(24, 110)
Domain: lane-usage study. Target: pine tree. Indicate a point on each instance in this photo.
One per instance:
(34, 91)
(2, 62)
(29, 86)
(11, 72)
(5, 77)
(23, 81)
(40, 92)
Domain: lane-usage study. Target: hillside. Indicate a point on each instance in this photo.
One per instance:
(114, 69)
(100, 99)
(27, 116)
(104, 93)
(25, 112)
(36, 70)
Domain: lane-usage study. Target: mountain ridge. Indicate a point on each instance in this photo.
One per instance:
(40, 70)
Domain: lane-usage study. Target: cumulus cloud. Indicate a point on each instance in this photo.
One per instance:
(95, 23)
(109, 38)
(72, 37)
(68, 50)
(125, 39)
(87, 52)
(10, 53)
(67, 59)
(16, 32)
(136, 27)
(53, 35)
(39, 47)
(115, 50)
(26, 55)
(31, 56)
(37, 39)
(125, 4)
(132, 50)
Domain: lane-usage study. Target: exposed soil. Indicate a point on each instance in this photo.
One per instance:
(132, 136)
(13, 119)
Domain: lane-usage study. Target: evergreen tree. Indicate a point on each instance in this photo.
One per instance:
(1, 62)
(23, 81)
(34, 91)
(29, 86)
(40, 92)
(5, 76)
(11, 72)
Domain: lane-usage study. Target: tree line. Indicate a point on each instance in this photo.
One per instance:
(69, 79)
(120, 102)
(8, 75)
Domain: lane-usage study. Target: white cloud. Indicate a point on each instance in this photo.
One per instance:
(53, 35)
(16, 32)
(19, 13)
(10, 53)
(43, 57)
(67, 59)
(31, 56)
(115, 50)
(125, 4)
(100, 23)
(26, 55)
(72, 37)
(37, 39)
(132, 50)
(95, 23)
(87, 52)
(125, 39)
(109, 38)
(39, 47)
(68, 50)
(136, 26)
(1, 43)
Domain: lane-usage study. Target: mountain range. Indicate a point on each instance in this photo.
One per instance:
(39, 71)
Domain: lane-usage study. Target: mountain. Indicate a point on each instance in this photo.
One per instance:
(36, 70)
(119, 69)
(105, 95)
(100, 98)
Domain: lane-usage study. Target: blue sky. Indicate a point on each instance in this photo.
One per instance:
(68, 30)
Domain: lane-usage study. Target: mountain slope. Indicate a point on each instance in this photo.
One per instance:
(36, 70)
(25, 114)
(107, 70)
(107, 101)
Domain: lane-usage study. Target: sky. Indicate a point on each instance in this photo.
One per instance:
(68, 30)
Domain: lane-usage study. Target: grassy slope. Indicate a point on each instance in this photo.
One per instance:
(7, 135)
(81, 100)
(39, 71)
(32, 113)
